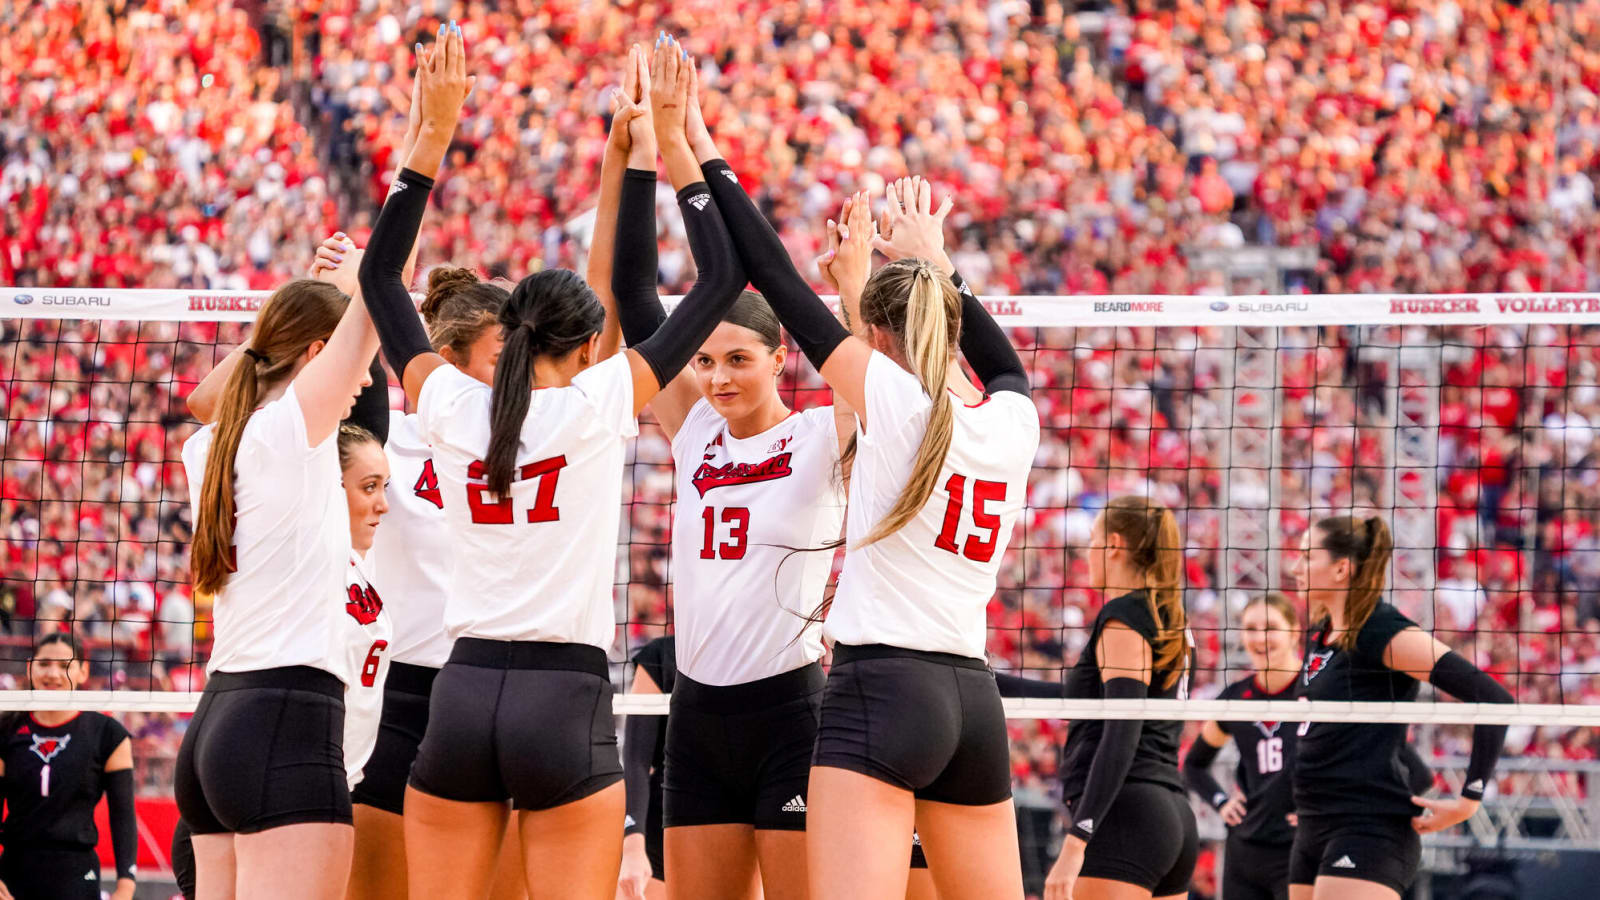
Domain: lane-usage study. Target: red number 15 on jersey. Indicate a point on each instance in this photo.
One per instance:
(983, 493)
(499, 512)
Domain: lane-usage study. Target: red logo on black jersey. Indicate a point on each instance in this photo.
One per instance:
(46, 747)
(1268, 729)
(1315, 663)
(709, 476)
(363, 605)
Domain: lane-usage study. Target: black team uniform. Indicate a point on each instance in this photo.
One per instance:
(644, 755)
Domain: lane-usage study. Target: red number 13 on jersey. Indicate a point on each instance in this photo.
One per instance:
(983, 492)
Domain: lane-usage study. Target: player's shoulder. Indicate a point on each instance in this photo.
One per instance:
(1380, 628)
(1133, 610)
(1238, 690)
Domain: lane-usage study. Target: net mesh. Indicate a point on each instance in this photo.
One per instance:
(1249, 417)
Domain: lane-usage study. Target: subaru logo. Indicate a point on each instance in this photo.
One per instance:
(1219, 305)
(22, 299)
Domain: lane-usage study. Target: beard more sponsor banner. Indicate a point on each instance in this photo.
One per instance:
(1034, 312)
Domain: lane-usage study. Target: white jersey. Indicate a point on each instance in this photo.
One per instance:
(365, 635)
(412, 554)
(925, 587)
(291, 541)
(538, 565)
(740, 595)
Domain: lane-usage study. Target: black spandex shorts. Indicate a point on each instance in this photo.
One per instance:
(930, 723)
(400, 728)
(526, 720)
(265, 749)
(1384, 850)
(740, 754)
(1147, 839)
(919, 860)
(50, 873)
(1253, 871)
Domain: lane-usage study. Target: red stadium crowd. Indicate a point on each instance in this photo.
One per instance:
(1419, 146)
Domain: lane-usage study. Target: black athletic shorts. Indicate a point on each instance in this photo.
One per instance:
(1147, 839)
(32, 872)
(183, 867)
(265, 749)
(1254, 871)
(400, 727)
(526, 720)
(930, 723)
(740, 754)
(1384, 850)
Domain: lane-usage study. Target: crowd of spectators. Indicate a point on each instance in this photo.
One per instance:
(1416, 145)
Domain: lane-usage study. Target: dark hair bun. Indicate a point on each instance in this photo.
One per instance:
(444, 281)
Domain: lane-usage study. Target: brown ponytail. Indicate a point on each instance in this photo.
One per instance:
(919, 304)
(296, 316)
(1151, 531)
(1368, 545)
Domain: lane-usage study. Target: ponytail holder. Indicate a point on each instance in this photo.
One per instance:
(251, 352)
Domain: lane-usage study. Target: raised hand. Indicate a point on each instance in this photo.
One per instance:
(849, 259)
(442, 87)
(631, 129)
(910, 227)
(694, 120)
(337, 261)
(669, 90)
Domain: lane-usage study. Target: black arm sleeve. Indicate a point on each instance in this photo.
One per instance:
(1112, 760)
(986, 347)
(372, 404)
(399, 327)
(808, 319)
(1468, 683)
(720, 280)
(124, 827)
(633, 274)
(1197, 773)
(640, 735)
(1017, 686)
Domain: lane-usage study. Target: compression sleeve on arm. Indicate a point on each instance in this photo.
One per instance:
(1467, 682)
(1119, 739)
(1017, 686)
(640, 734)
(808, 319)
(124, 827)
(371, 410)
(383, 288)
(1197, 773)
(986, 347)
(634, 260)
(720, 280)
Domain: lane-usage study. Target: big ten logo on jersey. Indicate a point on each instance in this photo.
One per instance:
(363, 604)
(486, 508)
(427, 486)
(977, 549)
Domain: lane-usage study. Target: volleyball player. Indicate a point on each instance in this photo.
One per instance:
(644, 753)
(1132, 832)
(530, 473)
(755, 481)
(1256, 856)
(54, 767)
(364, 471)
(1359, 815)
(912, 731)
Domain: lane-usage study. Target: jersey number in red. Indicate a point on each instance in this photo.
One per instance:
(498, 512)
(369, 669)
(427, 486)
(739, 518)
(983, 493)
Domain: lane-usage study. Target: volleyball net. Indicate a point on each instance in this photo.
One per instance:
(1471, 423)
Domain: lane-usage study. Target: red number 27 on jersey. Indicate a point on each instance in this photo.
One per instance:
(499, 512)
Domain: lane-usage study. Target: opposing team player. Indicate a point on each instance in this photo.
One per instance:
(912, 730)
(1256, 857)
(54, 767)
(755, 482)
(1359, 815)
(530, 473)
(644, 757)
(1132, 832)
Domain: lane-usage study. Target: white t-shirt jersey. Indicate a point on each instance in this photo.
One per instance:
(740, 596)
(412, 555)
(925, 587)
(540, 564)
(366, 633)
(291, 541)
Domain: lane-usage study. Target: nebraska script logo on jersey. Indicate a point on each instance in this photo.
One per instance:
(363, 605)
(46, 747)
(1315, 663)
(708, 476)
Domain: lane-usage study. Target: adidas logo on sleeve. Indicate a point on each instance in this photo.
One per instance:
(1344, 862)
(728, 173)
(796, 804)
(1475, 785)
(700, 201)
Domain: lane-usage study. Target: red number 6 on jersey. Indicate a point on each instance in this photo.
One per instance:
(369, 669)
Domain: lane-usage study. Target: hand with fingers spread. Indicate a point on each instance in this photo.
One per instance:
(910, 226)
(1438, 815)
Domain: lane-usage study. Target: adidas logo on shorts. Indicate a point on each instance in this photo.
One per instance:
(699, 201)
(90, 876)
(796, 803)
(1344, 862)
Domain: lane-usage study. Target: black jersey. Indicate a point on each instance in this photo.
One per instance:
(54, 777)
(660, 659)
(1266, 750)
(1354, 768)
(1155, 760)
